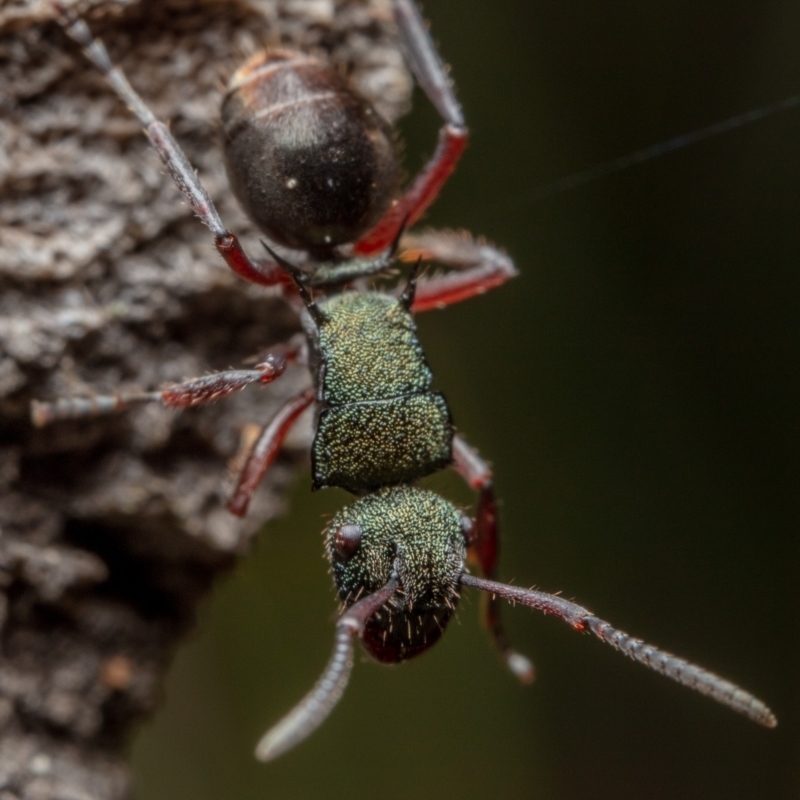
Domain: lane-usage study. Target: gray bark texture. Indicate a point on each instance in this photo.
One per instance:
(112, 529)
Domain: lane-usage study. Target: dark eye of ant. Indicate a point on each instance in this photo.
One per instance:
(467, 527)
(346, 541)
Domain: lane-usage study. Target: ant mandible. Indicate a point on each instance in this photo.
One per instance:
(315, 167)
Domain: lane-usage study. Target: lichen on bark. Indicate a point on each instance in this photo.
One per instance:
(112, 529)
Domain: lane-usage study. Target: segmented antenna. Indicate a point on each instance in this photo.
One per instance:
(680, 670)
(314, 708)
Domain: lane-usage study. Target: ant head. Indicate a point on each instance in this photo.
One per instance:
(398, 561)
(415, 534)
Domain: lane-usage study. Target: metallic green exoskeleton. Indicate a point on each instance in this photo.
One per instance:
(397, 553)
(379, 422)
(416, 533)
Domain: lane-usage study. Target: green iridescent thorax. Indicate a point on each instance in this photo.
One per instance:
(420, 534)
(379, 423)
(370, 349)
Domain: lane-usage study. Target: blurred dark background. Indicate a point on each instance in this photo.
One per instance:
(638, 391)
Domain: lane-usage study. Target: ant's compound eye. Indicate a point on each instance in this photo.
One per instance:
(468, 528)
(346, 541)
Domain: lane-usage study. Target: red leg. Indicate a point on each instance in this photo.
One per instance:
(194, 392)
(417, 197)
(266, 450)
(484, 549)
(478, 267)
(432, 76)
(209, 388)
(263, 273)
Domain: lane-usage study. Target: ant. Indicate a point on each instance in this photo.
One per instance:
(315, 167)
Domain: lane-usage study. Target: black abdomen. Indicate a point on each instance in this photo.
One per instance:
(310, 160)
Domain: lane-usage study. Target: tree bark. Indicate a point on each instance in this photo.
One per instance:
(112, 529)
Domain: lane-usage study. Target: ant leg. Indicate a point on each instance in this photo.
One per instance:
(430, 72)
(265, 451)
(484, 547)
(479, 267)
(263, 273)
(194, 392)
(426, 63)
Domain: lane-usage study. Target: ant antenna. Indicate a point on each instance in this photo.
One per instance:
(697, 678)
(315, 707)
(299, 278)
(407, 298)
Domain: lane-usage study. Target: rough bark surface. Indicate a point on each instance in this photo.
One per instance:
(112, 529)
